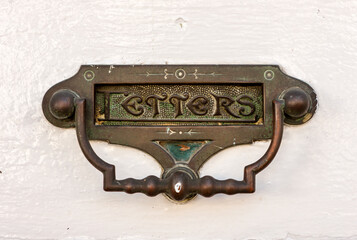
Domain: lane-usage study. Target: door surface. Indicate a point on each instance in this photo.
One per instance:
(48, 190)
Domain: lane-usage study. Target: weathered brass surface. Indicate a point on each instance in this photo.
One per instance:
(179, 104)
(181, 115)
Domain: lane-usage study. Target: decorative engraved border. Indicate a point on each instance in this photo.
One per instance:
(180, 74)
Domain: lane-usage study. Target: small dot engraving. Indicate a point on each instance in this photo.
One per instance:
(269, 75)
(180, 73)
(89, 75)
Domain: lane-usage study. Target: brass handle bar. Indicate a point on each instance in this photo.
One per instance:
(179, 185)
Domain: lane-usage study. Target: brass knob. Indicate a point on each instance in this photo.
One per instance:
(297, 103)
(62, 104)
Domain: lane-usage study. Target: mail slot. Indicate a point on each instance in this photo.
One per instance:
(181, 115)
(161, 104)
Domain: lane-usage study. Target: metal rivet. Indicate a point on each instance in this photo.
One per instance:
(268, 75)
(89, 75)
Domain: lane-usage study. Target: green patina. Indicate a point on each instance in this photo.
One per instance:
(182, 151)
(127, 105)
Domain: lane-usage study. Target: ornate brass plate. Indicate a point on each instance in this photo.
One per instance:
(179, 114)
(179, 104)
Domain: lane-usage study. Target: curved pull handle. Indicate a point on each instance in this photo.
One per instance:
(180, 185)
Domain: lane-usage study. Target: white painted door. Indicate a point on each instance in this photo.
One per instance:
(48, 190)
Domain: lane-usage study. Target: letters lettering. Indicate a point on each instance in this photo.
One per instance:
(198, 105)
(176, 101)
(132, 105)
(224, 102)
(152, 101)
(243, 101)
(213, 105)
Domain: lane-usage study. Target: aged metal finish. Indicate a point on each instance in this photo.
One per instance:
(178, 104)
(181, 115)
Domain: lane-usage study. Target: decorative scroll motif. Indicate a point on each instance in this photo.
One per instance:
(196, 74)
(180, 74)
(169, 131)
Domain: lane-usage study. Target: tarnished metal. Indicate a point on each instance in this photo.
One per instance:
(178, 104)
(181, 115)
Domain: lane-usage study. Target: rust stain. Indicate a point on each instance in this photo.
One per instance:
(99, 116)
(183, 147)
(259, 122)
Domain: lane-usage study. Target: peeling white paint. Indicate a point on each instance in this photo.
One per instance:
(181, 22)
(110, 68)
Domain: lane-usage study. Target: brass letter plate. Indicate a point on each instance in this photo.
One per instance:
(181, 115)
(179, 104)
